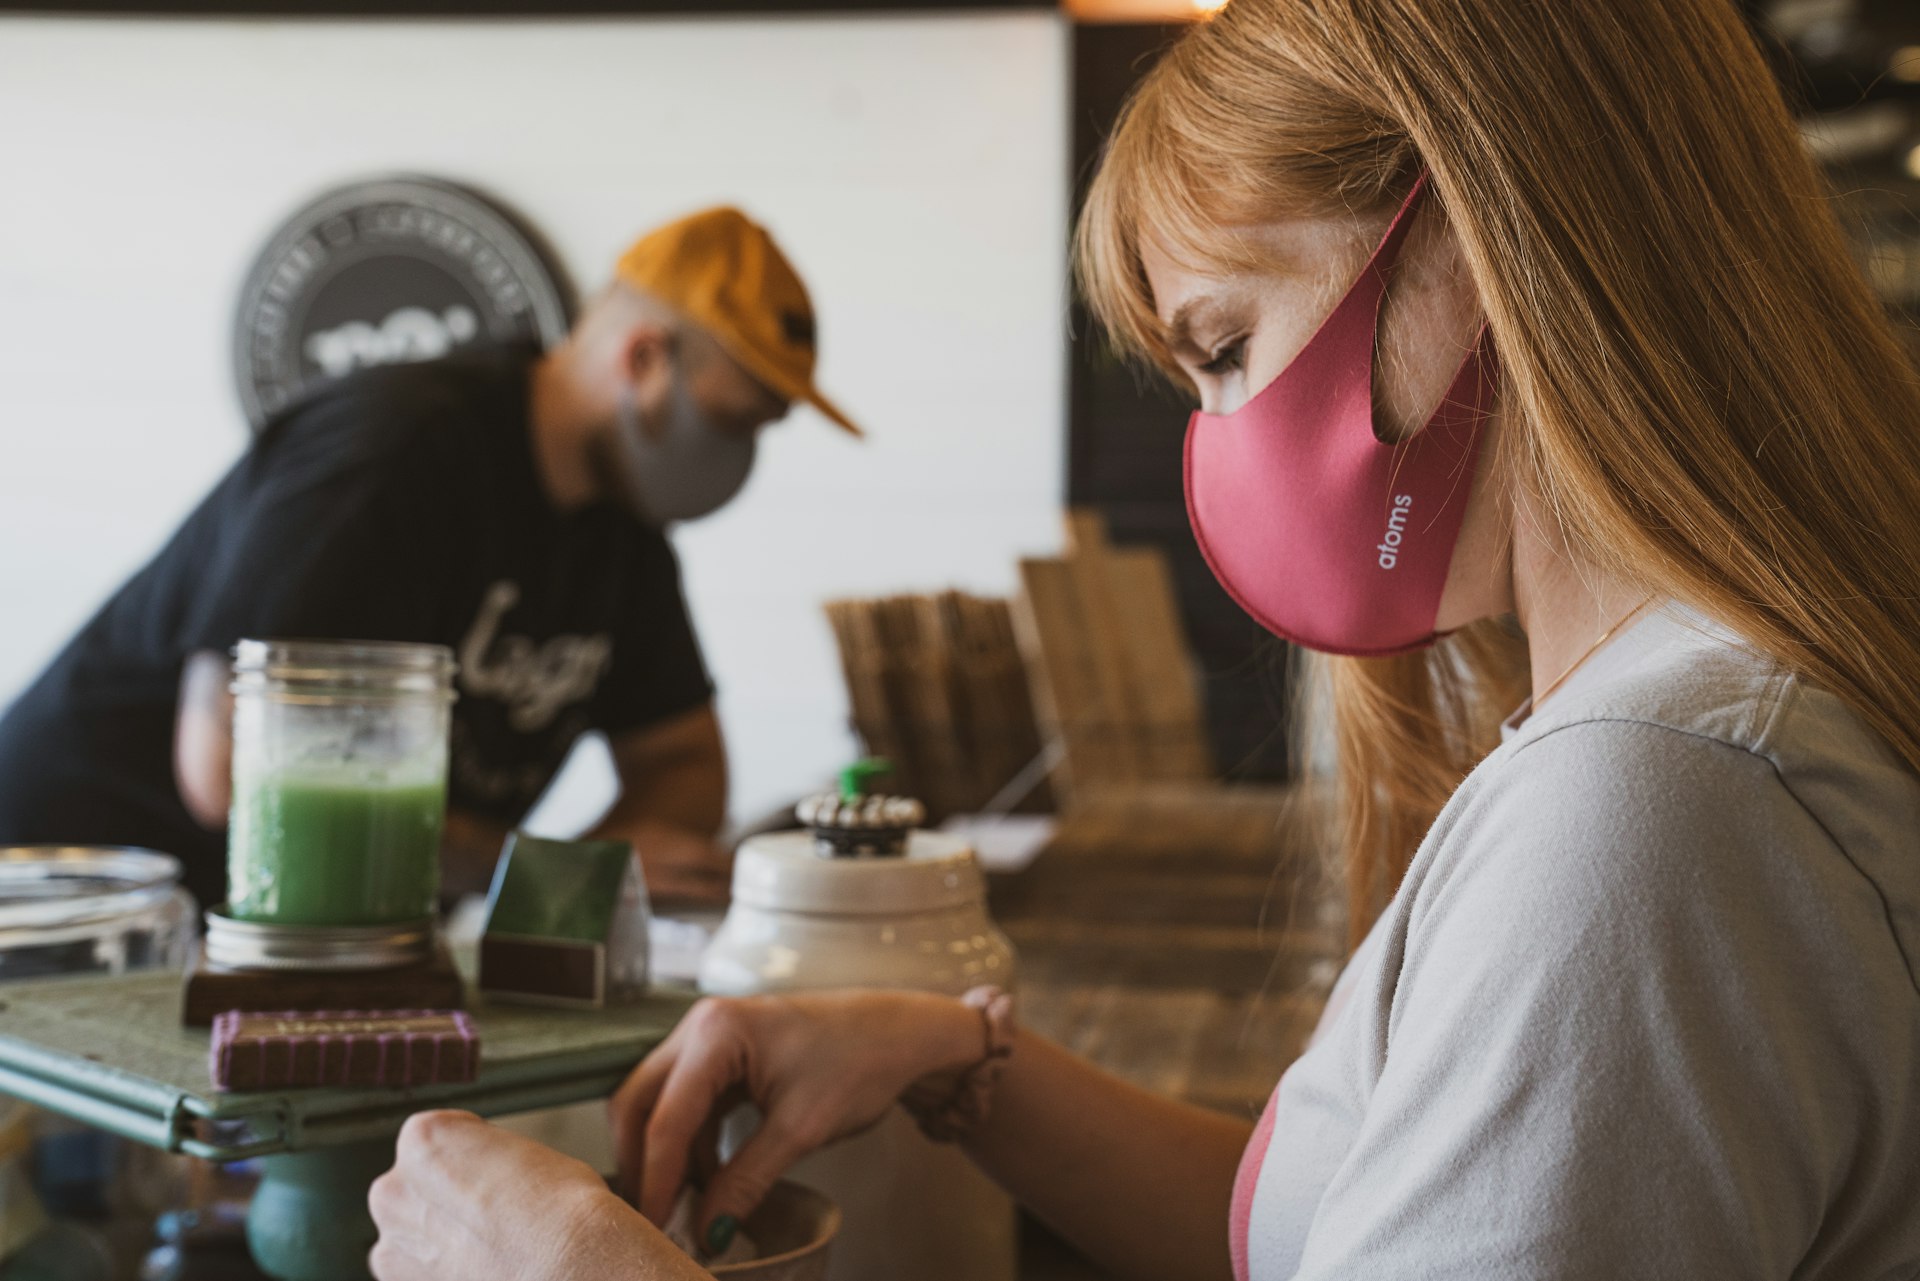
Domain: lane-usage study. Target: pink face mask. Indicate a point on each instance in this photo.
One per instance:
(1325, 535)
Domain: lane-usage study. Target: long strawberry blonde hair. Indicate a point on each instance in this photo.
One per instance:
(1699, 385)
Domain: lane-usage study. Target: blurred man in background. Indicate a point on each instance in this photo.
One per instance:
(508, 503)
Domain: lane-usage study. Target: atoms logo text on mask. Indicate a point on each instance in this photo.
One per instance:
(1389, 547)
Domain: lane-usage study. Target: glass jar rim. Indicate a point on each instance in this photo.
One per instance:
(56, 886)
(371, 656)
(328, 668)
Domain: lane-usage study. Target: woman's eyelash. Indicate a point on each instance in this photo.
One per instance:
(1226, 358)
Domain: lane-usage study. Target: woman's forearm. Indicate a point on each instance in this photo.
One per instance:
(1140, 1183)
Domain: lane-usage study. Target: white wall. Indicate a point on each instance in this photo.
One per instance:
(914, 167)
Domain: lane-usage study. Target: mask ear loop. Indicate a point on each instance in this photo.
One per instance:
(1369, 290)
(1385, 256)
(1369, 287)
(1387, 252)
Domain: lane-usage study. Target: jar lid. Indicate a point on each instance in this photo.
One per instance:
(264, 945)
(782, 872)
(852, 825)
(48, 886)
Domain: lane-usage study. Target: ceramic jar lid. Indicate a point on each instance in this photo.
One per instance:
(783, 872)
(860, 826)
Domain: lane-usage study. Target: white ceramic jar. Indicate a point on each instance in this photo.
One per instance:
(799, 920)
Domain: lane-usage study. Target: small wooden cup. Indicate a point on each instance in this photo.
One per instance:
(794, 1230)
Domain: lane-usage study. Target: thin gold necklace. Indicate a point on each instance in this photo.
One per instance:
(1591, 650)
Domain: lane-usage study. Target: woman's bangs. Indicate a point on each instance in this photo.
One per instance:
(1146, 189)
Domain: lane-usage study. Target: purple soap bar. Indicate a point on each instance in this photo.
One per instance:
(254, 1051)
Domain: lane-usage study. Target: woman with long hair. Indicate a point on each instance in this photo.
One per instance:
(1533, 373)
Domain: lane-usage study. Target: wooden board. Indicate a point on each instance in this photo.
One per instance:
(1103, 625)
(938, 686)
(1068, 699)
(1113, 680)
(1167, 694)
(211, 990)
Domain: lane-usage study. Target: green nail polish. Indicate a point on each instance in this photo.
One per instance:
(720, 1233)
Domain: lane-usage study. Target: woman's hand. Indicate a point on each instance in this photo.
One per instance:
(820, 1066)
(469, 1200)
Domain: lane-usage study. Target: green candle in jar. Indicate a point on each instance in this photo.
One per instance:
(335, 851)
(339, 781)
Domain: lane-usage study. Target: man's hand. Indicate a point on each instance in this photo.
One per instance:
(468, 1201)
(673, 799)
(682, 866)
(203, 739)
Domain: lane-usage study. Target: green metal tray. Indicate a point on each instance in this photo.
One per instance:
(110, 1052)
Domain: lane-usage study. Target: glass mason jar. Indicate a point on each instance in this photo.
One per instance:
(339, 781)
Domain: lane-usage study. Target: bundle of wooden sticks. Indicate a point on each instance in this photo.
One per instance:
(938, 687)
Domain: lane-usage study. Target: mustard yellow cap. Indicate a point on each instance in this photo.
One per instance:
(722, 271)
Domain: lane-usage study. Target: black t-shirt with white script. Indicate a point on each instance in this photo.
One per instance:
(401, 504)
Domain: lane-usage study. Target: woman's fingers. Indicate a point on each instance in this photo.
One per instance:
(710, 1061)
(706, 1144)
(669, 1138)
(742, 1183)
(799, 1060)
(632, 1106)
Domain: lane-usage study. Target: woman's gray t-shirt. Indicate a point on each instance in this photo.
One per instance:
(1644, 1006)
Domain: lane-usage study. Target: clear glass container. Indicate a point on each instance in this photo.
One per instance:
(72, 909)
(78, 909)
(339, 781)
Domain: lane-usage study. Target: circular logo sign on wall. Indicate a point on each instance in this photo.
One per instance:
(384, 272)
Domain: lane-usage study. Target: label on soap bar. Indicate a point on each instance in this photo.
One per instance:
(249, 1026)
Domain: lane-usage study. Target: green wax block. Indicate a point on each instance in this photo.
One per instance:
(328, 852)
(557, 889)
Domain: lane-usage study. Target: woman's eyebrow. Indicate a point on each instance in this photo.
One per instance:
(1181, 324)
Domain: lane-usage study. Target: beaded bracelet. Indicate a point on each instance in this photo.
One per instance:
(949, 1106)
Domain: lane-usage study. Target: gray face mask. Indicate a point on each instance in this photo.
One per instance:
(685, 470)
